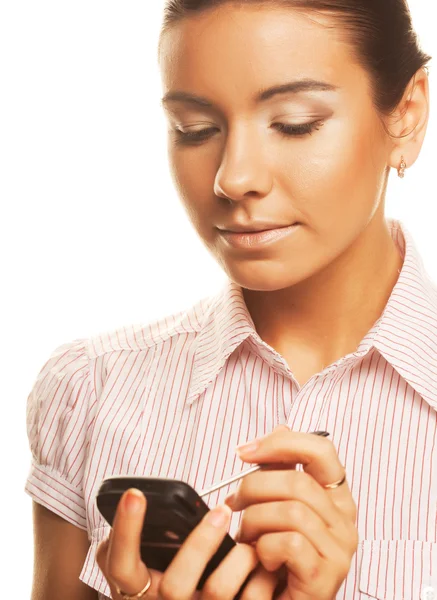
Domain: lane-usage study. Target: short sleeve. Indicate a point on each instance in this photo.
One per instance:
(57, 420)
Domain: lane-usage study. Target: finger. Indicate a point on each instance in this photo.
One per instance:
(282, 427)
(294, 551)
(293, 515)
(101, 559)
(271, 517)
(230, 575)
(184, 572)
(266, 486)
(124, 565)
(102, 554)
(261, 585)
(317, 455)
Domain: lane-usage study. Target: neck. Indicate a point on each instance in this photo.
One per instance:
(330, 313)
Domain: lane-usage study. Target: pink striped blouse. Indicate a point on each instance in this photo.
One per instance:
(174, 399)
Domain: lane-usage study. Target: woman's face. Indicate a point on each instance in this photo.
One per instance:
(325, 171)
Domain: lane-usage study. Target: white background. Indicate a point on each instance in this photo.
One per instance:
(92, 233)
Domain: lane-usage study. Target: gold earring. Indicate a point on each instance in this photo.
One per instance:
(402, 167)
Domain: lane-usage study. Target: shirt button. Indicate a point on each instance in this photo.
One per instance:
(428, 593)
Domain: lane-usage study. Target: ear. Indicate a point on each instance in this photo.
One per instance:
(409, 122)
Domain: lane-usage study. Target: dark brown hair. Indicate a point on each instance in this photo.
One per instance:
(380, 33)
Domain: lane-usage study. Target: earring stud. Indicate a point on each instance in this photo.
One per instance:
(402, 167)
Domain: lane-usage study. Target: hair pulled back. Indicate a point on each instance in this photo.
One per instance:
(380, 33)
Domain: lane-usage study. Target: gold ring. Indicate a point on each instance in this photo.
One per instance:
(336, 484)
(134, 596)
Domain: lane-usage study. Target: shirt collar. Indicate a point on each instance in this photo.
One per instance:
(406, 332)
(226, 324)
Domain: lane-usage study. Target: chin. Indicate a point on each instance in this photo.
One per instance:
(263, 278)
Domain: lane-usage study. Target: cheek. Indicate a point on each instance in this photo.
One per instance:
(194, 188)
(335, 178)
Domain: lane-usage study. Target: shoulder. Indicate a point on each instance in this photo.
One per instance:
(68, 361)
(81, 364)
(144, 336)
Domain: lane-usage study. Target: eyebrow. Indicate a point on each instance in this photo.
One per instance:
(292, 87)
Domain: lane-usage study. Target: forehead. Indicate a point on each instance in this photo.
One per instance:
(230, 49)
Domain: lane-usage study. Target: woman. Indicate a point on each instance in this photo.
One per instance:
(285, 118)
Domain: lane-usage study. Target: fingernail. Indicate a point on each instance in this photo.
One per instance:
(321, 433)
(229, 500)
(247, 449)
(219, 516)
(133, 501)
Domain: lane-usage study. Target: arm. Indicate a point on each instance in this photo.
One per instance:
(60, 550)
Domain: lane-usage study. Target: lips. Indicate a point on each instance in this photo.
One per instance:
(253, 240)
(255, 228)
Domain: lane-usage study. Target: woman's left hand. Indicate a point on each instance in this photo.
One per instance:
(293, 521)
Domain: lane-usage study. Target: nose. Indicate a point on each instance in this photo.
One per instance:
(244, 171)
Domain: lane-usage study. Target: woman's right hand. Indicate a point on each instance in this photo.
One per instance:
(119, 559)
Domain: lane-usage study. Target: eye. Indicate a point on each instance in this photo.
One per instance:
(299, 129)
(287, 129)
(190, 137)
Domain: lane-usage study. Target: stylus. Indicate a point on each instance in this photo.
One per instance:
(221, 484)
